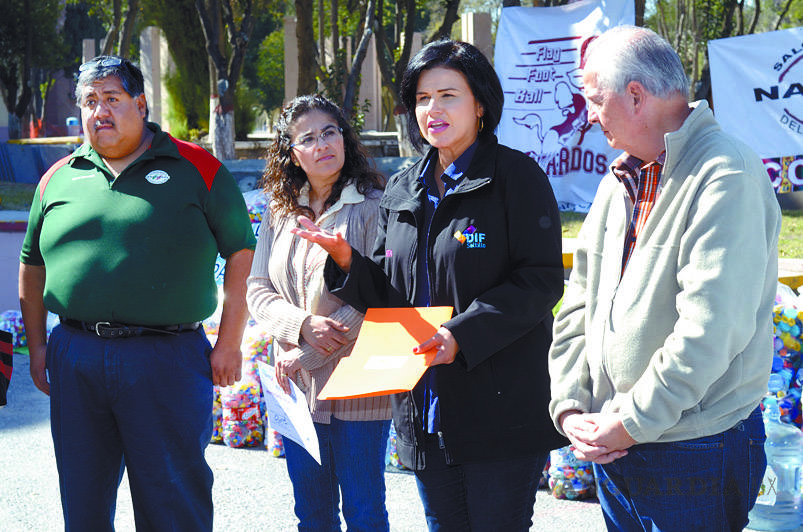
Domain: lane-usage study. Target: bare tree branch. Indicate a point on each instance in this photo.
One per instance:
(449, 18)
(211, 27)
(351, 85)
(783, 14)
(114, 29)
(124, 41)
(756, 14)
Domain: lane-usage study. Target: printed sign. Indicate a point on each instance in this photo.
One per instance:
(757, 85)
(537, 59)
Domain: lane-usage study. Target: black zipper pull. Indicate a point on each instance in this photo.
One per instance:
(440, 440)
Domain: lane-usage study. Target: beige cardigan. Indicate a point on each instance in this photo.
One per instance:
(286, 285)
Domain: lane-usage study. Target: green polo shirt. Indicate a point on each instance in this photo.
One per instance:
(139, 248)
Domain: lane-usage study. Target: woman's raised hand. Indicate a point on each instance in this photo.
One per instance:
(334, 244)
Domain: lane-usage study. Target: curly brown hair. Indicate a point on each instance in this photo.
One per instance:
(282, 180)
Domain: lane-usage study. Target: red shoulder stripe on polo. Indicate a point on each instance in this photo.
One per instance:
(46, 178)
(206, 163)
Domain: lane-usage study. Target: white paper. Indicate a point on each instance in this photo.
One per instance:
(288, 414)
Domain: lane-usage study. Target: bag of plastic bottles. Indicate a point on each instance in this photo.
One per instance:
(779, 506)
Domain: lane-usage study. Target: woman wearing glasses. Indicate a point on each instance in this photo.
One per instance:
(317, 167)
(473, 225)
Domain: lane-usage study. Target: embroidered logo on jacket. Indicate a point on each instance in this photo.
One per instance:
(157, 177)
(471, 237)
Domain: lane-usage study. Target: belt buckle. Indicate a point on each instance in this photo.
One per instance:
(100, 324)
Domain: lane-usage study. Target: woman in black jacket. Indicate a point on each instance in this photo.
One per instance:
(473, 225)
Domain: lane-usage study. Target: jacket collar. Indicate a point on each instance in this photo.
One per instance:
(406, 192)
(161, 146)
(678, 142)
(349, 194)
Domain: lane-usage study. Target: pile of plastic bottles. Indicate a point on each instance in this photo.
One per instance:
(786, 380)
(11, 321)
(779, 505)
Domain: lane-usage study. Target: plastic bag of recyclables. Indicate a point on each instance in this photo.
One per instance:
(786, 379)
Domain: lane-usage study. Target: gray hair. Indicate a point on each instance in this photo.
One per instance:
(630, 53)
(104, 66)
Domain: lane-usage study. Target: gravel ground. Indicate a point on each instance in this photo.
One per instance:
(252, 492)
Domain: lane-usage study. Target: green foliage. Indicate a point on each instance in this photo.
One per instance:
(175, 118)
(790, 245)
(266, 74)
(40, 18)
(188, 104)
(263, 68)
(246, 108)
(188, 86)
(79, 24)
(333, 80)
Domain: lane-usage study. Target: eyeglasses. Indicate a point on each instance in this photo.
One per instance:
(106, 62)
(328, 135)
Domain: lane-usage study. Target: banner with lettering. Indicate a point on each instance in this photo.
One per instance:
(537, 59)
(757, 86)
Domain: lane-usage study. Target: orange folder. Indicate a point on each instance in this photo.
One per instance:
(382, 361)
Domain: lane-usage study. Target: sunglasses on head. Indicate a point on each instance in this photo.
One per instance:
(106, 62)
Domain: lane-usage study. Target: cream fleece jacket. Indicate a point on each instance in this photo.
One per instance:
(680, 345)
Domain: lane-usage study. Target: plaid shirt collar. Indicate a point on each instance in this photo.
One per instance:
(627, 169)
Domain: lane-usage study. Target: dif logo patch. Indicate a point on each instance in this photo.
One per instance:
(471, 237)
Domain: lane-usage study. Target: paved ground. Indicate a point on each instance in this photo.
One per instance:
(252, 492)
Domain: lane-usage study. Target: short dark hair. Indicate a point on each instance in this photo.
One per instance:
(103, 66)
(282, 180)
(469, 61)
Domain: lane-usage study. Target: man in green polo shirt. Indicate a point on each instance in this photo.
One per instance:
(121, 244)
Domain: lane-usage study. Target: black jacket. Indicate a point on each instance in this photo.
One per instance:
(502, 281)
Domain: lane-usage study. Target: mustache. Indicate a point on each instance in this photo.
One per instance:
(101, 123)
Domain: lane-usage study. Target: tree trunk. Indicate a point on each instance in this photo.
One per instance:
(21, 109)
(221, 128)
(335, 29)
(782, 14)
(114, 29)
(449, 18)
(640, 12)
(392, 74)
(130, 20)
(14, 127)
(223, 76)
(307, 66)
(350, 93)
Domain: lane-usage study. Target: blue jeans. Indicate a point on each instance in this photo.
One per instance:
(353, 462)
(142, 403)
(497, 495)
(706, 484)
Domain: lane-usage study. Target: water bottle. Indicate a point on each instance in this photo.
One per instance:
(778, 506)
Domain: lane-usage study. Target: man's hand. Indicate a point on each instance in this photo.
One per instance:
(34, 317)
(38, 370)
(226, 358)
(227, 365)
(443, 343)
(598, 438)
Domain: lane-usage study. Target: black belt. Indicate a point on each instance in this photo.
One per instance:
(106, 329)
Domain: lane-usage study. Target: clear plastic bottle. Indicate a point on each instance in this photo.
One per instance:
(779, 506)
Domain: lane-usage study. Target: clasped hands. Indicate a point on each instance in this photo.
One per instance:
(598, 438)
(443, 342)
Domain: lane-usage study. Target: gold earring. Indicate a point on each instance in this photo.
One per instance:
(481, 125)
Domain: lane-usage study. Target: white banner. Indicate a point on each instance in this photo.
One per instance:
(757, 85)
(537, 59)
